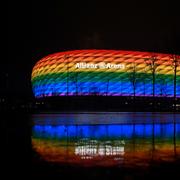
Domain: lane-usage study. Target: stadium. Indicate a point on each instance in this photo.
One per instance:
(107, 73)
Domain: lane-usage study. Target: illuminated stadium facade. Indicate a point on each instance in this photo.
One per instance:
(107, 73)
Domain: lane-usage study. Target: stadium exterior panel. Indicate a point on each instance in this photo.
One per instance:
(107, 73)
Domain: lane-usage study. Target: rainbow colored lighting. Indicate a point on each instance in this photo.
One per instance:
(107, 145)
(59, 74)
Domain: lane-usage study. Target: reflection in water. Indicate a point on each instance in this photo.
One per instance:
(122, 144)
(88, 149)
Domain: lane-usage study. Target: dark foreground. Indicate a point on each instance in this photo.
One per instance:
(22, 161)
(42, 169)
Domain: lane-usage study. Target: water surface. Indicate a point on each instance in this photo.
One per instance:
(107, 139)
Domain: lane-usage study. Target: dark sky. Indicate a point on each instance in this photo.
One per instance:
(40, 28)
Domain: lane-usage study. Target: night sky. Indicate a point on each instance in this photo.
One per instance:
(68, 25)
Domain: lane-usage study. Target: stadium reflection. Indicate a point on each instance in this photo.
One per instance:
(123, 144)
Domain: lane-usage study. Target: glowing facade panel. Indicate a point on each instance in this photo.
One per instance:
(106, 73)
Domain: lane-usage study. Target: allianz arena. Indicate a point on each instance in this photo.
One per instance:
(106, 73)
